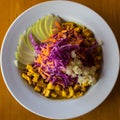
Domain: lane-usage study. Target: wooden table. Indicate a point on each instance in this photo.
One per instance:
(10, 109)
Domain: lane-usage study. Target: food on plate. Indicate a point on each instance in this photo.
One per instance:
(59, 59)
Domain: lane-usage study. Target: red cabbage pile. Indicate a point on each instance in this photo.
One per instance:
(60, 55)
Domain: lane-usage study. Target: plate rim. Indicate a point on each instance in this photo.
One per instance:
(34, 6)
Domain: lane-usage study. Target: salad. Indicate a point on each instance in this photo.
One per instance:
(59, 59)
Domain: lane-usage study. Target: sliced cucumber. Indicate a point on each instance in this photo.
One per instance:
(23, 60)
(19, 65)
(27, 52)
(48, 20)
(35, 33)
(28, 31)
(41, 30)
(23, 45)
(24, 55)
(37, 30)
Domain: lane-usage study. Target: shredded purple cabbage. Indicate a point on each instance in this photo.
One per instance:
(60, 55)
(37, 47)
(62, 79)
(86, 54)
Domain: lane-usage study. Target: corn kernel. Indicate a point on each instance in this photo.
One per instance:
(78, 94)
(57, 88)
(31, 71)
(87, 33)
(47, 93)
(29, 74)
(83, 89)
(26, 78)
(36, 88)
(53, 94)
(41, 84)
(50, 86)
(35, 79)
(36, 75)
(64, 93)
(71, 92)
(29, 67)
(76, 87)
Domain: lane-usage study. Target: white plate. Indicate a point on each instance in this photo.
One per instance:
(58, 109)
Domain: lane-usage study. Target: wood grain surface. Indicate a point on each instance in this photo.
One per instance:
(109, 109)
